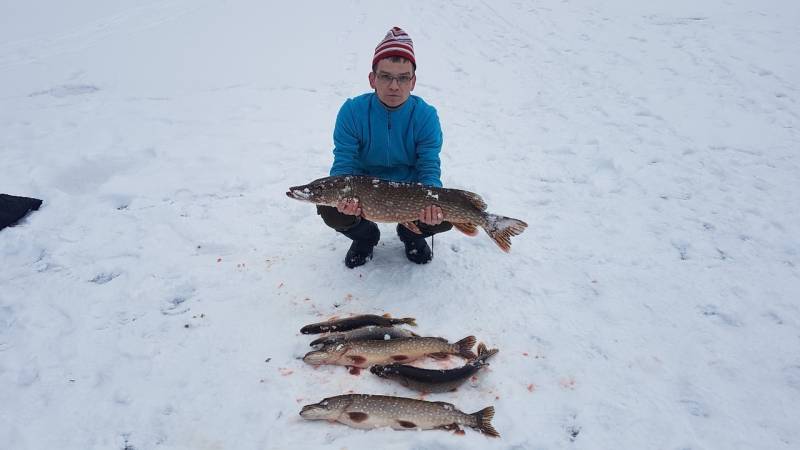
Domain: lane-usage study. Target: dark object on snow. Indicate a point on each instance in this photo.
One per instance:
(13, 208)
(428, 380)
(365, 235)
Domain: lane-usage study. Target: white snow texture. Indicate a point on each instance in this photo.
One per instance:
(155, 300)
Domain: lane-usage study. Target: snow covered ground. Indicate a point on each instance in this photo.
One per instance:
(155, 300)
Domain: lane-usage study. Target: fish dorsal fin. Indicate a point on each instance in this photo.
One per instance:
(475, 199)
(446, 406)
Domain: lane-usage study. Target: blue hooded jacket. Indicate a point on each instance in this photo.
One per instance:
(400, 144)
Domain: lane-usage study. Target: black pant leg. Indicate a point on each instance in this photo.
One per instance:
(336, 220)
(430, 230)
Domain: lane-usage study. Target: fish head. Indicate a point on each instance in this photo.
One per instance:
(324, 191)
(328, 354)
(384, 371)
(326, 409)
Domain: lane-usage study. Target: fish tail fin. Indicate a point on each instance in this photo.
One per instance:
(464, 347)
(483, 421)
(409, 320)
(484, 353)
(501, 228)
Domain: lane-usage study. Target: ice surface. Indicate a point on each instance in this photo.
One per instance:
(154, 301)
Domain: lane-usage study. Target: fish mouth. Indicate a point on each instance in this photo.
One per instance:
(316, 357)
(313, 411)
(299, 194)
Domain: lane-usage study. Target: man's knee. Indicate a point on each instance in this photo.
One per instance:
(434, 229)
(336, 220)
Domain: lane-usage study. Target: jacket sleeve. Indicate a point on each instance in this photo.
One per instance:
(345, 142)
(429, 144)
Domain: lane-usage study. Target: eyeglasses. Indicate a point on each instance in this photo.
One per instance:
(387, 79)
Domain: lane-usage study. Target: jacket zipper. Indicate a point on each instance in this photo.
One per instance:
(388, 135)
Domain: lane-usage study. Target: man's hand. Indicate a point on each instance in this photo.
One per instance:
(431, 215)
(349, 206)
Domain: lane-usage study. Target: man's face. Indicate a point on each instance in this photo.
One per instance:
(393, 81)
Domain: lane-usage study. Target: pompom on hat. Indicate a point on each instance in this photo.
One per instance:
(396, 43)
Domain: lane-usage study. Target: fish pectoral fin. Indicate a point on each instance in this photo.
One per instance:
(400, 358)
(356, 359)
(470, 229)
(412, 226)
(357, 417)
(406, 424)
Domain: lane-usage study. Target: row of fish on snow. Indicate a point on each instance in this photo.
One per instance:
(374, 341)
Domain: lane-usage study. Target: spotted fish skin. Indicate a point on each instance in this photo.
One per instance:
(375, 411)
(352, 323)
(366, 353)
(391, 201)
(369, 333)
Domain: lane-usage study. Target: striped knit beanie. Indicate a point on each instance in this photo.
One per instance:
(396, 43)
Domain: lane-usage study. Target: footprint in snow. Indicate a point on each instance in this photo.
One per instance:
(174, 307)
(67, 90)
(103, 278)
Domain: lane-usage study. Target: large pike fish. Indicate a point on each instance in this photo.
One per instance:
(366, 353)
(374, 411)
(391, 201)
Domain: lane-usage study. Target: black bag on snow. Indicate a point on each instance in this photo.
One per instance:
(13, 208)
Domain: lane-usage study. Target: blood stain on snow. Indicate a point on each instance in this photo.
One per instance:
(285, 372)
(531, 387)
(567, 383)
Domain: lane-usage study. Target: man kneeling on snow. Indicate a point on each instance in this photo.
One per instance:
(392, 135)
